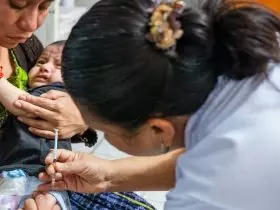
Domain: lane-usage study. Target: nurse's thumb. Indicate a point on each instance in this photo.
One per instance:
(75, 167)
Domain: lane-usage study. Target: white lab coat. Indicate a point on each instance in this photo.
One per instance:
(233, 162)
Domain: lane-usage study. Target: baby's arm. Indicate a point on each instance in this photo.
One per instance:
(8, 95)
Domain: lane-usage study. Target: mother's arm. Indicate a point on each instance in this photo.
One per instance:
(8, 95)
(54, 109)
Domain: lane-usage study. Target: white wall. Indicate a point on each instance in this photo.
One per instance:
(86, 3)
(49, 32)
(60, 21)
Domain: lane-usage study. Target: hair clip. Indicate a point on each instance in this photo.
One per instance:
(165, 29)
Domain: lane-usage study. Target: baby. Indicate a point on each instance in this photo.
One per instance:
(48, 67)
(21, 153)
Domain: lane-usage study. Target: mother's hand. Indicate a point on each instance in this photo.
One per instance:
(55, 109)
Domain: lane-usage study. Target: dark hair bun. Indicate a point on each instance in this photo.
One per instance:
(245, 38)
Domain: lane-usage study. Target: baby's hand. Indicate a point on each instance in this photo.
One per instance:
(41, 201)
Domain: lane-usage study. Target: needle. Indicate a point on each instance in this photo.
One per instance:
(55, 152)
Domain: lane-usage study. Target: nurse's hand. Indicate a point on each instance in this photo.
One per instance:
(41, 201)
(82, 172)
(78, 172)
(55, 109)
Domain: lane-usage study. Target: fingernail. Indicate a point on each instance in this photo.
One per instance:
(20, 119)
(22, 97)
(18, 104)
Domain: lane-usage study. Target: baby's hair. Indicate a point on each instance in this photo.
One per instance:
(58, 43)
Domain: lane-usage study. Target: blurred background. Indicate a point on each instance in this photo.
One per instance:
(273, 4)
(62, 17)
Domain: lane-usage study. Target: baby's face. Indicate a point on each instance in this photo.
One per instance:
(48, 67)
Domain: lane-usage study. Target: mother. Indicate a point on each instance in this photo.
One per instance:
(19, 50)
(206, 78)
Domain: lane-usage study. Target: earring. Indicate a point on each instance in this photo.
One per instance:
(164, 149)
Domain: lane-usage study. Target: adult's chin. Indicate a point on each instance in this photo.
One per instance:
(9, 45)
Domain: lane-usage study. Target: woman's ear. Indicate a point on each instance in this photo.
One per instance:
(164, 130)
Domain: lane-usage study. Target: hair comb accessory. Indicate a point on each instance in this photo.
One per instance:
(165, 29)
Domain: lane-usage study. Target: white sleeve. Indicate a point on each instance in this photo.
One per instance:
(236, 167)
